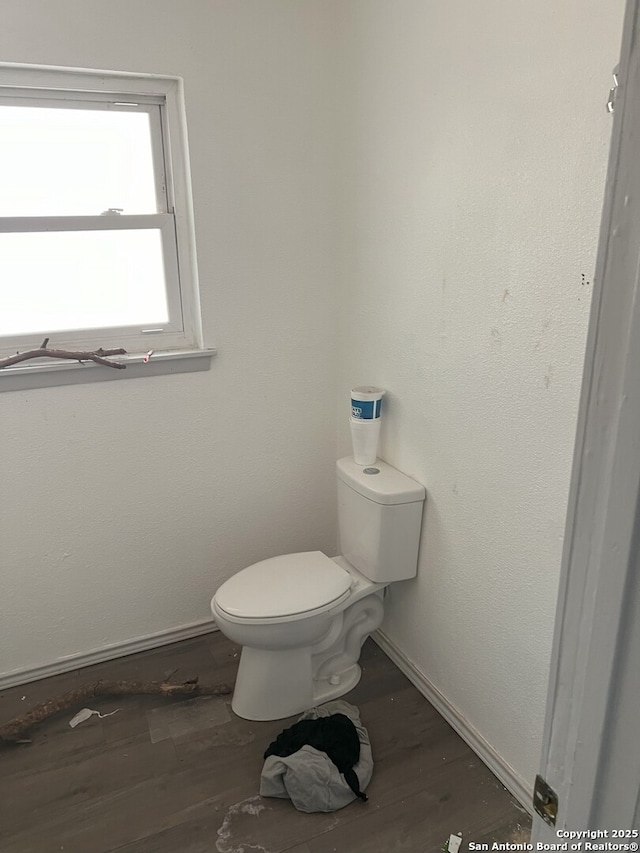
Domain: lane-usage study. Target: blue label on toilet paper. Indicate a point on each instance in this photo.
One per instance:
(365, 410)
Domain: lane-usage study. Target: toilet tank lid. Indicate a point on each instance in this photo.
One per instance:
(283, 586)
(380, 482)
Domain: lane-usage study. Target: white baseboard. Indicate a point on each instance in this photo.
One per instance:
(498, 766)
(520, 790)
(114, 650)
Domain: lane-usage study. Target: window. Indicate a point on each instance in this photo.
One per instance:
(96, 242)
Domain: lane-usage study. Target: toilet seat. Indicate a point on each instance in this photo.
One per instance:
(283, 589)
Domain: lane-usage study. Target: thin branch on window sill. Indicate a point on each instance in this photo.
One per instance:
(100, 356)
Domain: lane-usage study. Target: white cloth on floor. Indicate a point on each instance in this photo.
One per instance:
(308, 777)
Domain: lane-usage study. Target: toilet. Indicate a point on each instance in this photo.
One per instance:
(301, 619)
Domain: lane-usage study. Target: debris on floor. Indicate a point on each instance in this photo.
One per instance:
(86, 713)
(14, 730)
(453, 844)
(226, 843)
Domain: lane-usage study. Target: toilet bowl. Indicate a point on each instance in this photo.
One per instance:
(302, 618)
(301, 631)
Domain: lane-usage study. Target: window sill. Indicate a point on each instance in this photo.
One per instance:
(49, 372)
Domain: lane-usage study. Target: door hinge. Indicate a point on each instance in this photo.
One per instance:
(545, 801)
(613, 92)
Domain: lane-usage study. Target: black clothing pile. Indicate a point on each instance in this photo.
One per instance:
(323, 762)
(336, 735)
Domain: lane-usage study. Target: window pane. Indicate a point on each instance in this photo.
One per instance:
(75, 162)
(52, 281)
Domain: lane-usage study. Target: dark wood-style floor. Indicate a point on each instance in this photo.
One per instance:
(182, 776)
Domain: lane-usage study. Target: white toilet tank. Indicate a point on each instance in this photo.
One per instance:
(379, 520)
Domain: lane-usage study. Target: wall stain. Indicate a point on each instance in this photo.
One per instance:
(544, 329)
(506, 295)
(548, 376)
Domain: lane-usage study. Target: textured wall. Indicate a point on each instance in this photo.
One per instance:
(457, 170)
(127, 503)
(478, 141)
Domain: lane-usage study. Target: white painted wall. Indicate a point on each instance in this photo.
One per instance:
(125, 504)
(459, 175)
(478, 151)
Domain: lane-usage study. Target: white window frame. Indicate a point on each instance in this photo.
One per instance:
(161, 97)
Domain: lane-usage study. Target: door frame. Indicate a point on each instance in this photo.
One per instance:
(591, 740)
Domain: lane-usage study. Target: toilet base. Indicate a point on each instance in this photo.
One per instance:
(324, 691)
(275, 685)
(271, 685)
